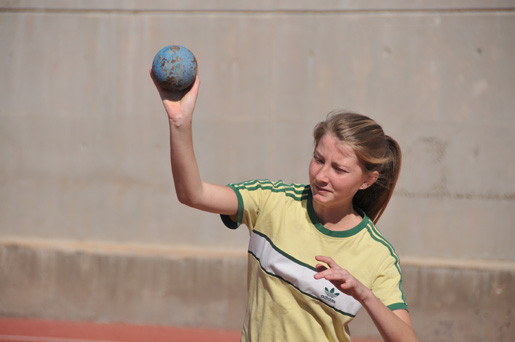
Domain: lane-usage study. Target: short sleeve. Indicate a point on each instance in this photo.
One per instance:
(233, 222)
(388, 284)
(251, 195)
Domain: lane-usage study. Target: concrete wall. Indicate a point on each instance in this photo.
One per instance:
(84, 165)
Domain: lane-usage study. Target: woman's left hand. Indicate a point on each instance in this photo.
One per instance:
(341, 278)
(392, 325)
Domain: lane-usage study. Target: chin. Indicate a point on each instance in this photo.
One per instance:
(320, 199)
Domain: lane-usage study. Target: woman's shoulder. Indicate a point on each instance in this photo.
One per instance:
(279, 186)
(382, 247)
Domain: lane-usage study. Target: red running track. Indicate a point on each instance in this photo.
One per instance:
(35, 330)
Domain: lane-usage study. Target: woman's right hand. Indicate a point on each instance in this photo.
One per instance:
(179, 105)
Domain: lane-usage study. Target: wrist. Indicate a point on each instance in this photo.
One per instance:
(179, 121)
(366, 296)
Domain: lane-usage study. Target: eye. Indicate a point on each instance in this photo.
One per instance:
(317, 159)
(340, 170)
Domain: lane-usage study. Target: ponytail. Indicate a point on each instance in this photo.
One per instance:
(374, 199)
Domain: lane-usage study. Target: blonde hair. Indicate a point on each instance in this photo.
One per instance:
(375, 150)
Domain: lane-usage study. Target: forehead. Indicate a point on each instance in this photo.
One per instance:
(330, 145)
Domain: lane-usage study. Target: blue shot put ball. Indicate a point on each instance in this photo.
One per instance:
(174, 67)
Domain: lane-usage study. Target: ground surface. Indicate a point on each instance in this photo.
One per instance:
(34, 330)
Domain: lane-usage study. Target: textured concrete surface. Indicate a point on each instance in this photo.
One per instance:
(70, 282)
(205, 288)
(84, 139)
(84, 148)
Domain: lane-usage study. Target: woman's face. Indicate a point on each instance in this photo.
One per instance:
(335, 174)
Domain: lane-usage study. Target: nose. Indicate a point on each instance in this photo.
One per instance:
(321, 175)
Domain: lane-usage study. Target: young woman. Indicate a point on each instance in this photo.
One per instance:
(315, 257)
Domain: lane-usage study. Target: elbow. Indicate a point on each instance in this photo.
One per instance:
(191, 196)
(185, 199)
(188, 200)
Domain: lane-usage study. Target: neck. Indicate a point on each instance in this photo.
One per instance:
(337, 219)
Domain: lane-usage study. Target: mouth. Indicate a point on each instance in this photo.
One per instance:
(319, 189)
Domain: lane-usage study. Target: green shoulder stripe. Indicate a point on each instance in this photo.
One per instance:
(295, 191)
(376, 235)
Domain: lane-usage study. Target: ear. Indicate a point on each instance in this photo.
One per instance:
(370, 179)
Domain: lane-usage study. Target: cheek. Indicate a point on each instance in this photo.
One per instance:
(312, 170)
(351, 186)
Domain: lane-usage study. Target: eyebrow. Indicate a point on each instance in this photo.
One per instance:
(338, 165)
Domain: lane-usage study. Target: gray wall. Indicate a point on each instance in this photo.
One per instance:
(84, 160)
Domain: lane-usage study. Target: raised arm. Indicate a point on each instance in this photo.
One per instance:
(189, 187)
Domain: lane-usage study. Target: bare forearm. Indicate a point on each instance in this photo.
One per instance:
(394, 326)
(185, 170)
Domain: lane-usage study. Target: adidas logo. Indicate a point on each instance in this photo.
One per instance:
(330, 295)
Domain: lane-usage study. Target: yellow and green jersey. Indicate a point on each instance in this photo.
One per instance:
(285, 302)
